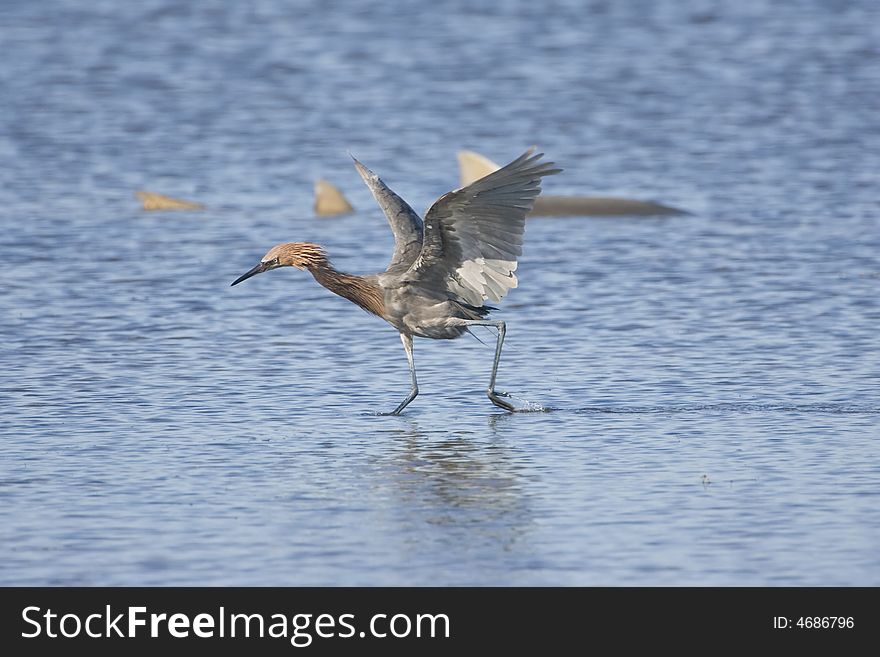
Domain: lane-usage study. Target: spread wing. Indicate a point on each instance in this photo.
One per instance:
(405, 223)
(473, 235)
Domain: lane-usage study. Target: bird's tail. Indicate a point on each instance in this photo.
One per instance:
(473, 312)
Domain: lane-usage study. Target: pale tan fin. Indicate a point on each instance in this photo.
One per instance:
(153, 201)
(329, 200)
(473, 166)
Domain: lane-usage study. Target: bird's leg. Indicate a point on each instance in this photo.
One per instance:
(408, 347)
(495, 396)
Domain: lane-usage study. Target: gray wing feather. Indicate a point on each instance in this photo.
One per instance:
(473, 235)
(405, 223)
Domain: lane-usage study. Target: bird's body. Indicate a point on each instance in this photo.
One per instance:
(444, 268)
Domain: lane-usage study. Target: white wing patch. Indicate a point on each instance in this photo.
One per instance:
(473, 236)
(487, 278)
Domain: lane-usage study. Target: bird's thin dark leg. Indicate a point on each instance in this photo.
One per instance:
(408, 347)
(495, 396)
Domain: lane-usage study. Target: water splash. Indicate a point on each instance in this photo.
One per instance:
(530, 406)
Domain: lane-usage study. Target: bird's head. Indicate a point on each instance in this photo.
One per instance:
(301, 255)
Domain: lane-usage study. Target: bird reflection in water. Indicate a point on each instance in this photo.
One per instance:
(467, 483)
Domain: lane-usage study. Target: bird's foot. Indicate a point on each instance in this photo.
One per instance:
(412, 395)
(495, 397)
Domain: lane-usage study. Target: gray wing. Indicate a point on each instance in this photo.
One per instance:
(405, 223)
(473, 235)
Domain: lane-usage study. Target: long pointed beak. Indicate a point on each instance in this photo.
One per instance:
(259, 269)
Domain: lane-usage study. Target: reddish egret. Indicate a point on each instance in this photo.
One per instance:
(442, 271)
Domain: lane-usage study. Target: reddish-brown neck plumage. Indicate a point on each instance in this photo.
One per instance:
(303, 255)
(367, 294)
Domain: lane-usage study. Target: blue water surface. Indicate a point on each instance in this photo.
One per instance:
(710, 381)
